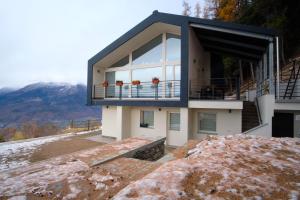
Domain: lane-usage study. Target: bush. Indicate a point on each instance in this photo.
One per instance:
(2, 139)
(18, 136)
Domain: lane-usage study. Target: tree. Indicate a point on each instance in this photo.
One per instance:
(197, 9)
(281, 15)
(186, 8)
(2, 139)
(205, 12)
(30, 130)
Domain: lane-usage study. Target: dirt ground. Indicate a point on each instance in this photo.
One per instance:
(60, 147)
(73, 176)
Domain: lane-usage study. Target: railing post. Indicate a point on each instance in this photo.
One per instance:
(105, 92)
(156, 91)
(238, 95)
(120, 93)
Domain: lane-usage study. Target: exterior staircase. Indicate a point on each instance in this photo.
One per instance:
(250, 118)
(292, 81)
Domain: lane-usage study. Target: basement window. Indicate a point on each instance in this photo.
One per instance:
(147, 119)
(174, 121)
(207, 122)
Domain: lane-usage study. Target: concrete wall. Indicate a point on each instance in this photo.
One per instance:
(199, 64)
(297, 124)
(160, 122)
(227, 123)
(98, 78)
(266, 105)
(109, 117)
(260, 130)
(123, 122)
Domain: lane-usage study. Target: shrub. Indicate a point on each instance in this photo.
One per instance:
(18, 136)
(2, 139)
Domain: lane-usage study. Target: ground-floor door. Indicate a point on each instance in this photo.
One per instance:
(173, 129)
(283, 125)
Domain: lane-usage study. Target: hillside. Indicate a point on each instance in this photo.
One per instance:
(45, 102)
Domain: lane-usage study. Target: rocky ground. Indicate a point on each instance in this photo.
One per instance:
(226, 167)
(218, 167)
(73, 176)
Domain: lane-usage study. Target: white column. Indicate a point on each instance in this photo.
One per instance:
(271, 67)
(119, 123)
(184, 124)
(277, 66)
(164, 46)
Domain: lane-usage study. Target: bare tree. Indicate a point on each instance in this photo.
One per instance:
(197, 9)
(186, 8)
(205, 12)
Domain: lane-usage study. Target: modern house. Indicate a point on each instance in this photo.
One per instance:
(166, 77)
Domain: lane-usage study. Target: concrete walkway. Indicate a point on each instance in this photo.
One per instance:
(100, 138)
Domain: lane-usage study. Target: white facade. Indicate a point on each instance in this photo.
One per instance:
(213, 107)
(123, 122)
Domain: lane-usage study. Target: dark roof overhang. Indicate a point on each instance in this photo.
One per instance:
(208, 31)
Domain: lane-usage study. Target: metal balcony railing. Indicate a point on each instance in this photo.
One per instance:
(145, 90)
(215, 89)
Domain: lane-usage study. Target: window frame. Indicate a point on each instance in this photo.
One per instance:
(142, 119)
(130, 66)
(199, 123)
(169, 122)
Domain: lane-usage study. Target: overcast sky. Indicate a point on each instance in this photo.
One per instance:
(52, 40)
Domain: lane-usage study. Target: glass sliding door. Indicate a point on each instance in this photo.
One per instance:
(123, 76)
(146, 88)
(111, 79)
(173, 75)
(112, 90)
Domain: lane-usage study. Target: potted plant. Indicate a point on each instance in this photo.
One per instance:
(136, 82)
(105, 84)
(155, 80)
(119, 83)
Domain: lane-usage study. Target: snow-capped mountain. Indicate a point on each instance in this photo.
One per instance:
(45, 102)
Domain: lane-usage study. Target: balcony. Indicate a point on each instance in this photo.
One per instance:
(215, 89)
(164, 90)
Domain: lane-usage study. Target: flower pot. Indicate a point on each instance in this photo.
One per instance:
(136, 82)
(119, 83)
(105, 84)
(155, 81)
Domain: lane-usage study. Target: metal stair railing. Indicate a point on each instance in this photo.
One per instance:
(292, 80)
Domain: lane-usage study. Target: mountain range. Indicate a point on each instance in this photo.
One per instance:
(45, 102)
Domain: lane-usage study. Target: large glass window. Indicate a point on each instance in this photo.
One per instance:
(173, 81)
(173, 47)
(145, 75)
(124, 61)
(112, 77)
(174, 121)
(207, 122)
(149, 53)
(147, 119)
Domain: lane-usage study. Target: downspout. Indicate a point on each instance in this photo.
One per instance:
(277, 65)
